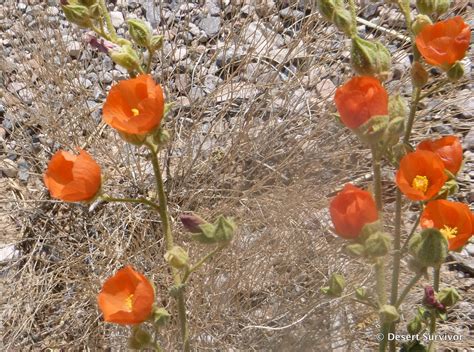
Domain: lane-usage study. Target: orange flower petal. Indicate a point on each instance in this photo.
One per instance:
(449, 150)
(72, 178)
(126, 298)
(420, 163)
(134, 106)
(359, 99)
(445, 42)
(443, 213)
(351, 209)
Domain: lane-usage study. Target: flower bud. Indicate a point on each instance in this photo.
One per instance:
(160, 317)
(448, 296)
(126, 57)
(419, 23)
(361, 293)
(77, 14)
(430, 301)
(221, 231)
(335, 286)
(88, 2)
(177, 257)
(428, 7)
(192, 222)
(414, 326)
(370, 58)
(377, 244)
(388, 313)
(140, 32)
(135, 139)
(334, 11)
(456, 72)
(429, 247)
(373, 131)
(156, 42)
(139, 339)
(419, 75)
(355, 249)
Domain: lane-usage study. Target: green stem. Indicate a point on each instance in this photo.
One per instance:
(149, 60)
(407, 289)
(130, 200)
(382, 299)
(108, 21)
(377, 179)
(411, 117)
(353, 10)
(166, 226)
(413, 229)
(200, 263)
(436, 279)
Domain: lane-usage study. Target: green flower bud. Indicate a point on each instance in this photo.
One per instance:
(135, 139)
(140, 31)
(335, 286)
(370, 58)
(419, 23)
(355, 249)
(334, 11)
(361, 293)
(373, 131)
(430, 247)
(160, 317)
(343, 21)
(126, 57)
(448, 296)
(139, 339)
(88, 3)
(77, 14)
(222, 230)
(377, 244)
(370, 228)
(414, 326)
(428, 7)
(456, 72)
(397, 107)
(156, 42)
(419, 75)
(177, 257)
(388, 313)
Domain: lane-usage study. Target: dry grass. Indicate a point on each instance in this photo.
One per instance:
(268, 153)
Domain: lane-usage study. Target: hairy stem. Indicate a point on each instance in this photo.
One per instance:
(382, 300)
(436, 277)
(166, 226)
(108, 21)
(377, 179)
(407, 289)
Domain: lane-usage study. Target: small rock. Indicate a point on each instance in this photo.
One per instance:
(291, 14)
(180, 54)
(15, 86)
(21, 6)
(325, 88)
(182, 102)
(8, 168)
(74, 49)
(8, 252)
(210, 25)
(443, 129)
(3, 134)
(470, 249)
(26, 95)
(117, 18)
(52, 11)
(468, 141)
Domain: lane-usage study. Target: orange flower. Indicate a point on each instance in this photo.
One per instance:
(135, 106)
(445, 42)
(359, 99)
(351, 209)
(421, 175)
(72, 178)
(449, 150)
(453, 219)
(126, 298)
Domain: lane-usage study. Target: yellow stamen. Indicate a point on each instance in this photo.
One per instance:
(420, 183)
(129, 302)
(449, 232)
(135, 112)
